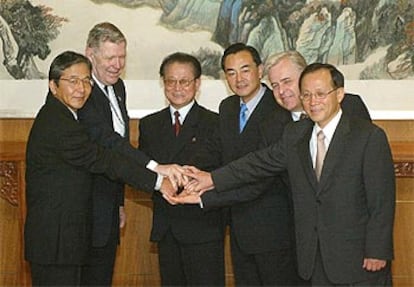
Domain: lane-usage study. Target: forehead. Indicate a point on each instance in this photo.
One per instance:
(79, 69)
(108, 48)
(238, 59)
(174, 68)
(317, 78)
(284, 69)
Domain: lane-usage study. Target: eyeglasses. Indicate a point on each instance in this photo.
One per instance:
(74, 82)
(171, 83)
(319, 95)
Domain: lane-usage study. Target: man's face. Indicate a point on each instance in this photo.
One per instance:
(321, 110)
(74, 86)
(180, 86)
(243, 75)
(108, 61)
(284, 79)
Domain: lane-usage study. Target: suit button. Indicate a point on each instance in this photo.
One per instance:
(318, 201)
(315, 229)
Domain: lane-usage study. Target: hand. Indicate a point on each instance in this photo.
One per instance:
(174, 172)
(371, 264)
(167, 187)
(192, 198)
(200, 183)
(122, 217)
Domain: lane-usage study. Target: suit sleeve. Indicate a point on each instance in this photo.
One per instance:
(379, 182)
(251, 168)
(104, 135)
(77, 149)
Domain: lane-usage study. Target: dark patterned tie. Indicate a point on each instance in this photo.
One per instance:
(303, 115)
(177, 124)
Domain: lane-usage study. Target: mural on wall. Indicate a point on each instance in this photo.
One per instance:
(366, 39)
(25, 31)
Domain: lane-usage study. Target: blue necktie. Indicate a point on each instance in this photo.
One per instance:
(242, 116)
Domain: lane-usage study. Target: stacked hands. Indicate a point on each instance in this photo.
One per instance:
(184, 184)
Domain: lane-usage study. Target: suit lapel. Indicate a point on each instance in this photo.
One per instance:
(104, 104)
(335, 151)
(187, 133)
(305, 157)
(263, 107)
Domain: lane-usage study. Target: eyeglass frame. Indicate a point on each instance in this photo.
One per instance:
(76, 81)
(184, 83)
(318, 96)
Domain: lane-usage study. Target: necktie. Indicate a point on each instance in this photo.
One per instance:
(118, 122)
(320, 153)
(303, 115)
(177, 124)
(242, 116)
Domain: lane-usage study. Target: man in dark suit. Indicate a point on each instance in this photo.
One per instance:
(343, 186)
(190, 241)
(261, 220)
(283, 71)
(59, 159)
(106, 118)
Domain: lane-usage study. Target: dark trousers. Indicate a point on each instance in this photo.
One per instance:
(276, 268)
(190, 264)
(101, 261)
(319, 277)
(55, 275)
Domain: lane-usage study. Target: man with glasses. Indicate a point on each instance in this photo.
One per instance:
(283, 72)
(190, 241)
(106, 118)
(343, 186)
(59, 161)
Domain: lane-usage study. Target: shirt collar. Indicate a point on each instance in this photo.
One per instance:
(251, 105)
(99, 83)
(183, 111)
(296, 116)
(330, 128)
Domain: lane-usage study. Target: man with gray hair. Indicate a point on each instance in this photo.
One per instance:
(106, 118)
(283, 71)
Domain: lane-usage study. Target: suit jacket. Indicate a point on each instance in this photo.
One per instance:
(188, 223)
(350, 212)
(261, 213)
(108, 195)
(353, 106)
(59, 159)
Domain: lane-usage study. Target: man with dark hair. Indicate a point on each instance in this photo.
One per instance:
(343, 186)
(106, 118)
(59, 159)
(260, 214)
(190, 241)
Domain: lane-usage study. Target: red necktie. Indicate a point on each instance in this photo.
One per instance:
(177, 125)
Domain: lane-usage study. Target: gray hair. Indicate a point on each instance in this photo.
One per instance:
(295, 57)
(103, 32)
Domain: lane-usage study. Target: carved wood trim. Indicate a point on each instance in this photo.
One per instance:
(9, 182)
(404, 168)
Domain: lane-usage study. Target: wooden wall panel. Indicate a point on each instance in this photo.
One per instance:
(137, 261)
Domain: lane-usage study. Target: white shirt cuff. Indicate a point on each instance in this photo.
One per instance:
(151, 165)
(158, 183)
